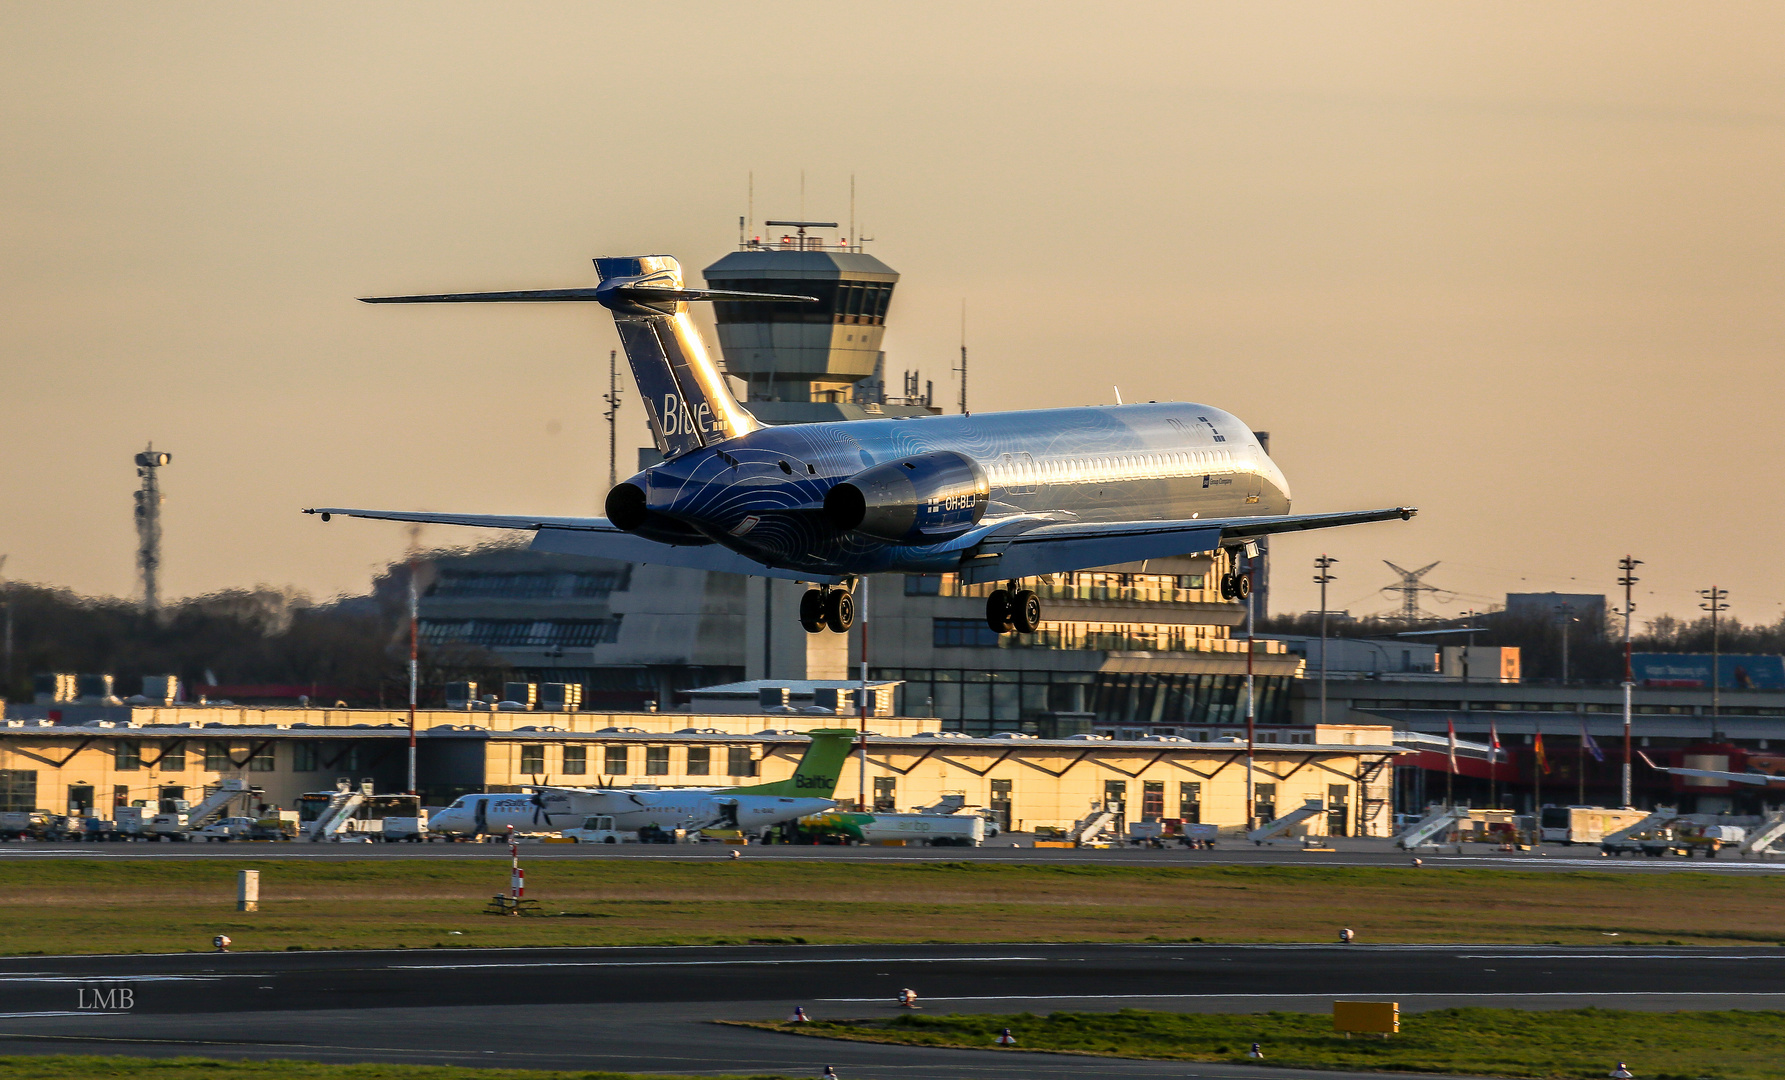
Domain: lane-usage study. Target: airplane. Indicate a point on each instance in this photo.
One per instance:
(1763, 779)
(992, 497)
(750, 808)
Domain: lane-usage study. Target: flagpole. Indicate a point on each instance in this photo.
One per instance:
(1493, 758)
(1450, 774)
(1581, 765)
(1537, 785)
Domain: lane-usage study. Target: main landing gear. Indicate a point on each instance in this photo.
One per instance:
(827, 608)
(1236, 586)
(1012, 610)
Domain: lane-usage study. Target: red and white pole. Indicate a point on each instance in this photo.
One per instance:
(517, 879)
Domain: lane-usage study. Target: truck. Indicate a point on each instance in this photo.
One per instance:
(596, 829)
(1585, 824)
(935, 830)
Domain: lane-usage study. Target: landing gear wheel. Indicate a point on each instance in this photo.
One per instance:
(999, 613)
(1026, 612)
(1242, 586)
(812, 611)
(1227, 586)
(839, 610)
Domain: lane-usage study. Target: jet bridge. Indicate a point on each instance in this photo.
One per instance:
(1288, 821)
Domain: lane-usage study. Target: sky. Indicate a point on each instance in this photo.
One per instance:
(1517, 264)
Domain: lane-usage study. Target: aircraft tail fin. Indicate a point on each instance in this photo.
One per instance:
(687, 402)
(815, 777)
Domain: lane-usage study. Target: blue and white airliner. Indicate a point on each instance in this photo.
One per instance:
(993, 497)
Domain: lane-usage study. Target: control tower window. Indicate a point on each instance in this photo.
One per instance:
(854, 302)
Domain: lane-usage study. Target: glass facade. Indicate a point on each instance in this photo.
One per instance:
(983, 701)
(521, 633)
(855, 303)
(530, 584)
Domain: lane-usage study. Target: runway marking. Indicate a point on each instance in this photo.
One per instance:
(1321, 997)
(68, 1012)
(119, 978)
(1611, 956)
(715, 963)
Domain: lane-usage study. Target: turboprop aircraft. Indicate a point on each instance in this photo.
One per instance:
(757, 806)
(992, 497)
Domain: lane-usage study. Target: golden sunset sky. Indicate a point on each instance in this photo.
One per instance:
(1519, 264)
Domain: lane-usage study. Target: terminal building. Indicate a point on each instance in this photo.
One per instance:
(91, 758)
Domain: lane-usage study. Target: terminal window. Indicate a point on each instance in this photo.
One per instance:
(173, 759)
(885, 794)
(217, 757)
(700, 760)
(263, 759)
(80, 799)
(533, 760)
(127, 755)
(304, 757)
(740, 762)
(576, 760)
(1152, 800)
(1190, 802)
(613, 760)
(656, 761)
(18, 789)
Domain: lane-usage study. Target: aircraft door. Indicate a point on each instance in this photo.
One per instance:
(481, 821)
(728, 813)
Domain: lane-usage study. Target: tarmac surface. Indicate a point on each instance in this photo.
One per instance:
(651, 1009)
(1349, 852)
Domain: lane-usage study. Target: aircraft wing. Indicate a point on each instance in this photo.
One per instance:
(1027, 548)
(591, 536)
(1758, 778)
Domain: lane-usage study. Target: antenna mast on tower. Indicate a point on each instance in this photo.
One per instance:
(963, 368)
(1410, 588)
(148, 525)
(612, 397)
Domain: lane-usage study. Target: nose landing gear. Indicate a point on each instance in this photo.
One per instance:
(827, 608)
(1012, 610)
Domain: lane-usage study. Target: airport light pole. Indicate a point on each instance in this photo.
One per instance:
(1323, 575)
(1714, 602)
(414, 604)
(612, 397)
(861, 618)
(1566, 611)
(1251, 716)
(1628, 579)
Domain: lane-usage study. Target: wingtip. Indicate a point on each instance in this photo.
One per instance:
(1407, 512)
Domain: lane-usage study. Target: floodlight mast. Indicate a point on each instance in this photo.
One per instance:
(1322, 576)
(148, 526)
(1628, 579)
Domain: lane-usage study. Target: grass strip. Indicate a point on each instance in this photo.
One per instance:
(1573, 1043)
(113, 905)
(79, 1066)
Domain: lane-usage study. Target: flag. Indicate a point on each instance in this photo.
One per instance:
(1587, 743)
(1493, 742)
(1537, 749)
(1453, 745)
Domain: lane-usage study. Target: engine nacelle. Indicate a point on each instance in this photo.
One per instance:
(916, 500)
(626, 511)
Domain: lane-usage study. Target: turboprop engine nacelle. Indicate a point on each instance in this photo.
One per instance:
(916, 500)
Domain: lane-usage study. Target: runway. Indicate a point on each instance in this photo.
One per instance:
(1349, 852)
(650, 1009)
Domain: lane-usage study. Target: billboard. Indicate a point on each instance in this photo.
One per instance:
(1693, 671)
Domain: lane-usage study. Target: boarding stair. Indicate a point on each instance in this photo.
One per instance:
(339, 810)
(1659, 819)
(1426, 832)
(1766, 836)
(1286, 822)
(217, 801)
(1089, 828)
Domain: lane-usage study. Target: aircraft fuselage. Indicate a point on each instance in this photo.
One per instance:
(763, 493)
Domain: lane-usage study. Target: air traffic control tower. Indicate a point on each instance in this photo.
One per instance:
(804, 362)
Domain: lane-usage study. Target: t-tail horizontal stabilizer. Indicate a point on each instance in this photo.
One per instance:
(686, 399)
